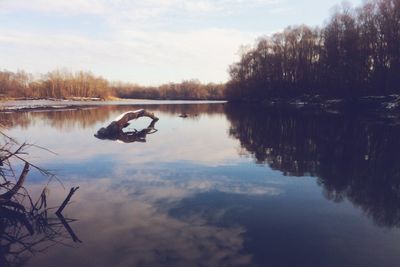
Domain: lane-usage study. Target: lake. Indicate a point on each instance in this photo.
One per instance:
(226, 186)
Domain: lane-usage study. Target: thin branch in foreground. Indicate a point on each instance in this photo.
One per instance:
(67, 199)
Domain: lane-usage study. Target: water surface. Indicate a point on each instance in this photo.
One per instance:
(226, 186)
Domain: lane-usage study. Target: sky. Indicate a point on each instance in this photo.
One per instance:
(148, 42)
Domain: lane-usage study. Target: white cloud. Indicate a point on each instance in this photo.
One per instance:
(139, 41)
(134, 7)
(203, 54)
(63, 6)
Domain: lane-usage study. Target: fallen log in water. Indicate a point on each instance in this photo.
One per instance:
(114, 131)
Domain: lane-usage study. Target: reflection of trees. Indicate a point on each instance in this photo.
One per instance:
(60, 119)
(189, 109)
(353, 158)
(88, 117)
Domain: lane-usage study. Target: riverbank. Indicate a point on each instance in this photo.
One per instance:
(59, 104)
(389, 103)
(382, 104)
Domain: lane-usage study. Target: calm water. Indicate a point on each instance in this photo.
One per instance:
(227, 186)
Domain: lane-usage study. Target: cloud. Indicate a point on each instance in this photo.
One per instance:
(148, 42)
(192, 54)
(71, 7)
(133, 7)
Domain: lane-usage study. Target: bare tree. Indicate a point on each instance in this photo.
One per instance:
(357, 53)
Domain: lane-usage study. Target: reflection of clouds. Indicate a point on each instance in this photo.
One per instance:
(251, 190)
(152, 187)
(126, 222)
(121, 228)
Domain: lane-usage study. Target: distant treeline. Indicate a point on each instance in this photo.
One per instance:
(357, 53)
(187, 90)
(64, 84)
(55, 84)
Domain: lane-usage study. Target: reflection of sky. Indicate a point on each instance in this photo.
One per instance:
(186, 197)
(124, 226)
(180, 218)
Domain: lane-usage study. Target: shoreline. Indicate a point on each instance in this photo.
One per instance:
(7, 106)
(384, 104)
(387, 104)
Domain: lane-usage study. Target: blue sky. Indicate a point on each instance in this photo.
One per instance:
(148, 41)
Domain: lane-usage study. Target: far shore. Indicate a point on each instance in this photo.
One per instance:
(19, 105)
(385, 104)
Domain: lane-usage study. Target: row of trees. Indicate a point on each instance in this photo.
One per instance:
(356, 53)
(187, 90)
(65, 84)
(55, 84)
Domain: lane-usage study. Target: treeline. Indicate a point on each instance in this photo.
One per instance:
(357, 53)
(187, 90)
(65, 85)
(55, 84)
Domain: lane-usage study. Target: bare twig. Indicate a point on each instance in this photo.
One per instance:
(66, 200)
(18, 185)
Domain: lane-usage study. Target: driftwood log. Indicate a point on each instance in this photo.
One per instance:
(114, 131)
